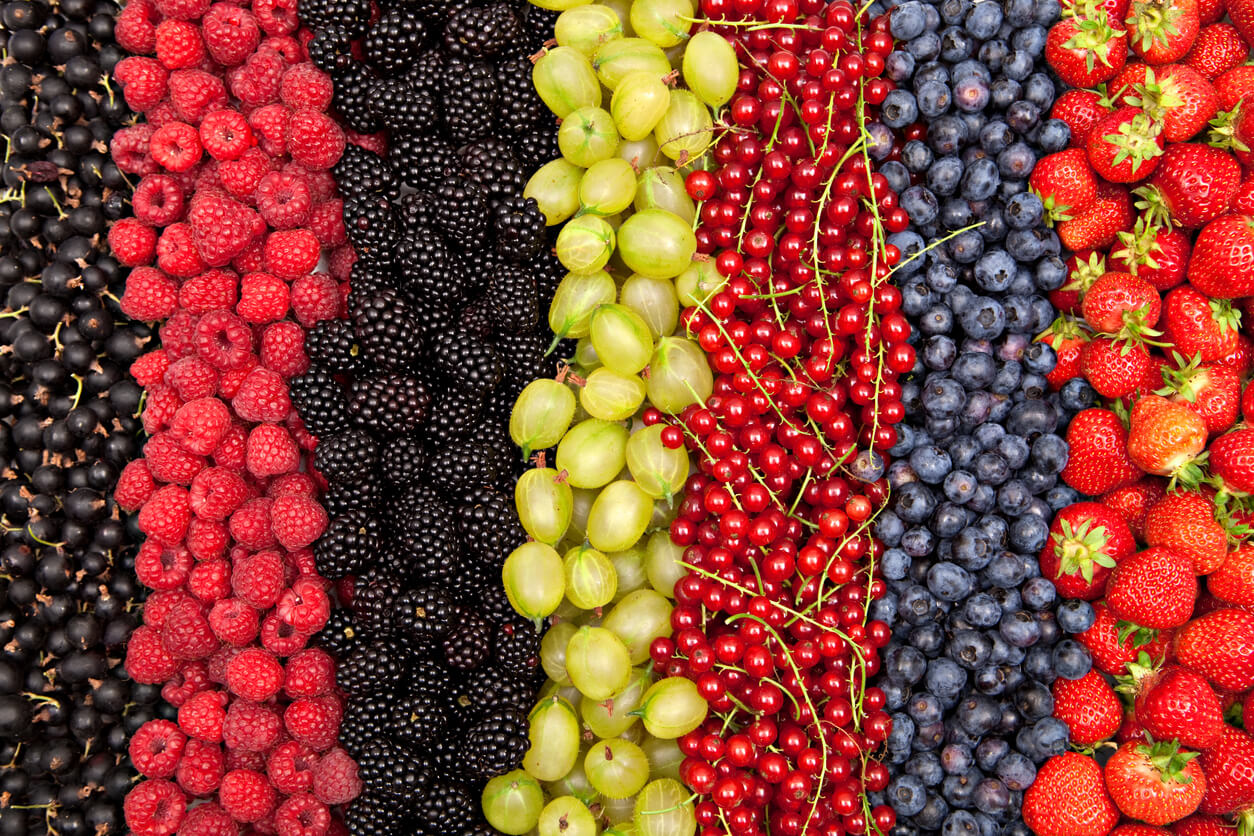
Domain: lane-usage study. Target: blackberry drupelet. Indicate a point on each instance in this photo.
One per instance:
(350, 16)
(495, 605)
(388, 403)
(488, 526)
(432, 676)
(445, 807)
(433, 269)
(362, 173)
(403, 106)
(519, 108)
(371, 227)
(388, 771)
(483, 32)
(403, 460)
(453, 415)
(349, 544)
(345, 497)
(349, 100)
(461, 212)
(538, 26)
(496, 744)
(373, 595)
(374, 668)
(365, 719)
(417, 211)
(490, 163)
(418, 719)
(525, 361)
(478, 319)
(320, 400)
(516, 648)
(467, 361)
(461, 466)
(394, 41)
(469, 103)
(444, 759)
(331, 50)
(469, 644)
(423, 161)
(513, 299)
(423, 617)
(488, 689)
(520, 229)
(537, 147)
(340, 635)
(387, 330)
(371, 816)
(332, 345)
(365, 279)
(350, 456)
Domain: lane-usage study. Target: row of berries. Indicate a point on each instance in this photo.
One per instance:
(234, 211)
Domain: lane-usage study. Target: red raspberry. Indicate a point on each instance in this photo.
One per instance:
(171, 463)
(193, 93)
(302, 562)
(327, 222)
(341, 266)
(134, 244)
(203, 715)
(159, 408)
(225, 134)
(209, 291)
(144, 82)
(208, 819)
(234, 622)
(262, 397)
(201, 770)
(335, 778)
(186, 632)
(269, 123)
(200, 424)
(179, 46)
(223, 340)
(304, 439)
(240, 759)
(297, 521)
(157, 200)
(160, 602)
(176, 146)
(165, 515)
(246, 795)
(258, 579)
(129, 148)
(254, 675)
(136, 27)
(286, 46)
(305, 606)
(154, 808)
(147, 661)
(277, 17)
(222, 226)
(314, 721)
(156, 747)
(280, 638)
(216, 492)
(251, 259)
(162, 567)
(292, 253)
(230, 452)
(231, 33)
(250, 726)
(283, 349)
(187, 681)
(192, 378)
(182, 9)
(250, 524)
(177, 253)
(310, 673)
(256, 82)
(284, 199)
(302, 815)
(270, 451)
(321, 182)
(290, 766)
(293, 484)
(313, 139)
(240, 177)
(164, 113)
(262, 298)
(315, 297)
(150, 368)
(376, 142)
(135, 485)
(178, 335)
(149, 294)
(210, 581)
(304, 85)
(207, 539)
(230, 381)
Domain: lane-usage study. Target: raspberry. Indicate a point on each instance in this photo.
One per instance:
(159, 408)
(269, 123)
(165, 515)
(304, 85)
(135, 485)
(156, 747)
(177, 253)
(341, 264)
(304, 607)
(223, 340)
(208, 819)
(193, 93)
(314, 721)
(187, 682)
(284, 199)
(216, 492)
(210, 581)
(313, 139)
(192, 378)
(200, 424)
(136, 27)
(149, 294)
(209, 291)
(230, 452)
(277, 17)
(262, 298)
(225, 135)
(286, 46)
(154, 808)
(129, 148)
(258, 579)
(176, 146)
(254, 675)
(207, 539)
(162, 567)
(262, 397)
(302, 561)
(376, 142)
(302, 815)
(170, 463)
(281, 638)
(157, 200)
(240, 177)
(315, 297)
(270, 451)
(310, 673)
(165, 113)
(179, 46)
(201, 769)
(186, 632)
(134, 244)
(250, 726)
(231, 33)
(182, 9)
(292, 253)
(290, 766)
(144, 82)
(160, 602)
(230, 381)
(292, 484)
(297, 521)
(335, 778)
(251, 258)
(203, 714)
(327, 222)
(322, 186)
(246, 795)
(283, 349)
(250, 524)
(147, 661)
(222, 226)
(256, 82)
(234, 622)
(150, 368)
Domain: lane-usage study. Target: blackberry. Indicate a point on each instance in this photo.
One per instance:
(427, 72)
(403, 106)
(371, 227)
(418, 719)
(373, 595)
(349, 16)
(482, 32)
(374, 668)
(477, 318)
(425, 531)
(513, 299)
(346, 497)
(525, 361)
(388, 403)
(331, 49)
(371, 816)
(519, 108)
(387, 771)
(496, 744)
(422, 161)
(418, 211)
(469, 644)
(351, 97)
(549, 272)
(403, 461)
(394, 41)
(320, 401)
(332, 345)
(453, 416)
(340, 635)
(488, 526)
(461, 212)
(348, 545)
(490, 163)
(367, 278)
(468, 362)
(428, 675)
(362, 173)
(538, 27)
(387, 330)
(424, 617)
(444, 760)
(437, 12)
(469, 103)
(433, 270)
(461, 466)
(489, 689)
(516, 646)
(350, 456)
(495, 605)
(445, 807)
(365, 720)
(520, 228)
(537, 147)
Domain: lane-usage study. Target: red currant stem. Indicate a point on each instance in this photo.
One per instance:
(732, 619)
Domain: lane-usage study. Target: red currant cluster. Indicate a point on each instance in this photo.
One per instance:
(807, 341)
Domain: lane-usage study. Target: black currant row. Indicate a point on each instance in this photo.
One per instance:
(978, 634)
(68, 426)
(411, 395)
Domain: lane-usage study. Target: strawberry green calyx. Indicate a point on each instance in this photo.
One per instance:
(1154, 21)
(1093, 36)
(1227, 506)
(1168, 759)
(1080, 549)
(1138, 673)
(1137, 141)
(1225, 130)
(1187, 379)
(1226, 317)
(1062, 329)
(1190, 476)
(1141, 636)
(1154, 206)
(1140, 245)
(1055, 212)
(1156, 97)
(1085, 273)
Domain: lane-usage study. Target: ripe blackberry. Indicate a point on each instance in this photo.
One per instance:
(365, 279)
(427, 72)
(445, 807)
(351, 97)
(422, 161)
(388, 403)
(403, 106)
(549, 272)
(461, 466)
(537, 147)
(469, 103)
(320, 401)
(488, 526)
(513, 299)
(538, 27)
(433, 269)
(453, 416)
(373, 595)
(519, 108)
(350, 456)
(370, 816)
(371, 227)
(423, 617)
(525, 361)
(403, 461)
(345, 497)
(387, 330)
(349, 544)
(477, 318)
(437, 12)
(490, 163)
(444, 759)
(516, 646)
(374, 668)
(417, 211)
(394, 41)
(365, 719)
(350, 16)
(361, 173)
(340, 635)
(483, 32)
(418, 719)
(429, 675)
(467, 361)
(387, 771)
(489, 689)
(332, 345)
(331, 49)
(461, 212)
(424, 529)
(496, 744)
(469, 644)
(520, 229)
(494, 604)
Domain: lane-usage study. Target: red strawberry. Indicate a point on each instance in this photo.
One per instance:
(1209, 11)
(1163, 31)
(1069, 798)
(1083, 268)
(1231, 459)
(1220, 646)
(1089, 706)
(1133, 828)
(1234, 580)
(1157, 783)
(1098, 226)
(1067, 339)
(1158, 254)
(1233, 131)
(1242, 14)
(1219, 47)
(1234, 86)
(1086, 540)
(1122, 304)
(1112, 650)
(1202, 825)
(1081, 110)
(1125, 146)
(1164, 436)
(1222, 264)
(1192, 184)
(1247, 403)
(1178, 97)
(1085, 51)
(1229, 771)
(1065, 182)
(1211, 390)
(1186, 523)
(1114, 367)
(1175, 703)
(1112, 10)
(1199, 326)
(1241, 360)
(1133, 503)
(1099, 453)
(1155, 588)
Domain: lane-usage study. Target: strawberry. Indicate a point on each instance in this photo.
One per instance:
(1209, 11)
(1065, 182)
(1231, 459)
(1175, 703)
(1157, 783)
(1081, 110)
(1151, 380)
(1067, 339)
(1086, 540)
(1158, 254)
(1089, 706)
(1241, 12)
(1114, 367)
(1222, 264)
(1241, 360)
(1155, 588)
(1199, 326)
(1233, 582)
(1112, 10)
(1125, 146)
(1233, 131)
(1185, 522)
(1112, 648)
(1083, 268)
(1247, 403)
(1134, 828)
(1219, 47)
(1098, 226)
(1234, 86)
(1133, 503)
(1220, 646)
(1177, 97)
(1085, 51)
(1229, 771)
(1211, 390)
(1164, 436)
(1069, 798)
(1120, 303)
(1163, 31)
(1202, 825)
(1099, 453)
(1192, 184)
(1243, 200)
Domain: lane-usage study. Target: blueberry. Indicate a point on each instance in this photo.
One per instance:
(1046, 12)
(925, 47)
(942, 278)
(907, 793)
(1055, 136)
(1050, 274)
(1038, 594)
(945, 678)
(916, 298)
(926, 766)
(1031, 39)
(956, 759)
(1025, 211)
(1039, 665)
(933, 814)
(939, 352)
(907, 21)
(1015, 771)
(983, 21)
(918, 542)
(905, 665)
(1075, 616)
(929, 638)
(1060, 497)
(953, 11)
(970, 648)
(1031, 418)
(1071, 659)
(1016, 163)
(957, 790)
(1051, 736)
(942, 398)
(972, 549)
(1077, 394)
(899, 108)
(978, 715)
(944, 177)
(924, 709)
(1005, 91)
(1029, 532)
(970, 68)
(966, 248)
(981, 179)
(956, 44)
(899, 66)
(917, 156)
(947, 134)
(931, 463)
(993, 52)
(949, 582)
(916, 605)
(1006, 570)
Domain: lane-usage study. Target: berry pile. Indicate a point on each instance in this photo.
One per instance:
(68, 426)
(233, 211)
(409, 394)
